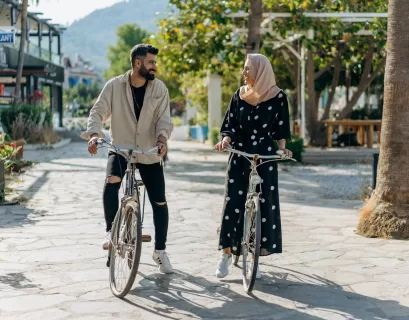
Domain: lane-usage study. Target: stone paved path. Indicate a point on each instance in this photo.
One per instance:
(52, 267)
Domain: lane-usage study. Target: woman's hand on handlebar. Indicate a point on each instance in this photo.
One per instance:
(225, 143)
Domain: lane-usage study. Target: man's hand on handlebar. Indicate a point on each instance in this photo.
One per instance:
(92, 145)
(225, 143)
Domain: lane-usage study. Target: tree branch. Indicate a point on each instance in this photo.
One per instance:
(334, 84)
(329, 64)
(363, 85)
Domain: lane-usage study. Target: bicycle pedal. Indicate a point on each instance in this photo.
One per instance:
(146, 238)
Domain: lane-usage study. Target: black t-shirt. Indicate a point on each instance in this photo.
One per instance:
(138, 95)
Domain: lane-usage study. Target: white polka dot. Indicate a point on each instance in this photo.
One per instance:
(233, 130)
(234, 248)
(234, 162)
(231, 114)
(240, 144)
(235, 229)
(241, 127)
(262, 138)
(227, 125)
(253, 137)
(261, 161)
(240, 192)
(228, 199)
(270, 107)
(256, 117)
(231, 180)
(258, 107)
(239, 156)
(271, 168)
(273, 207)
(262, 180)
(220, 247)
(263, 220)
(280, 123)
(274, 246)
(280, 95)
(241, 109)
(282, 103)
(264, 239)
(255, 131)
(237, 210)
(265, 125)
(226, 217)
(228, 235)
(249, 118)
(263, 200)
(276, 115)
(272, 188)
(269, 149)
(254, 143)
(274, 226)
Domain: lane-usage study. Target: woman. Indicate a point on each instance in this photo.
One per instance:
(258, 114)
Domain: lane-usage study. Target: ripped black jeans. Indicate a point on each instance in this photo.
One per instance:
(154, 180)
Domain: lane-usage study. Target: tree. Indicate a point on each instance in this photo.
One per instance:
(129, 35)
(255, 16)
(386, 214)
(20, 63)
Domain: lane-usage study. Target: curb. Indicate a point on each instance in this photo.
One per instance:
(57, 145)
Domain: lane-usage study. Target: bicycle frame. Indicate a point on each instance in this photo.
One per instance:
(131, 192)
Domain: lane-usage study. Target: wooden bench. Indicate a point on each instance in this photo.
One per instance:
(359, 126)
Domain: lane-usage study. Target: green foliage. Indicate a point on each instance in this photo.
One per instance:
(82, 94)
(214, 136)
(296, 145)
(8, 116)
(177, 121)
(128, 35)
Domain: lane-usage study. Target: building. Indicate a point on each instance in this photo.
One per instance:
(43, 66)
(79, 71)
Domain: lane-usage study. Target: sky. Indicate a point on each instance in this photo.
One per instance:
(67, 11)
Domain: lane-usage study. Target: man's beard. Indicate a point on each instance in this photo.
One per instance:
(146, 74)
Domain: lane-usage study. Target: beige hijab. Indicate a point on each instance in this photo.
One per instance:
(265, 86)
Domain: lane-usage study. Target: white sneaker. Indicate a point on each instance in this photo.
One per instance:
(250, 270)
(162, 260)
(107, 240)
(223, 265)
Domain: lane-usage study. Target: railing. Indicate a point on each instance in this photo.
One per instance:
(35, 51)
(363, 128)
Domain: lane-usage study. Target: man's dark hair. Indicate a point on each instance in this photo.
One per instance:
(141, 50)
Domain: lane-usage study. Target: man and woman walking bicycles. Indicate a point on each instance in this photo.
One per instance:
(138, 105)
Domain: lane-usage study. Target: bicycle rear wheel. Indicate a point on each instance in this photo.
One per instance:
(125, 249)
(251, 242)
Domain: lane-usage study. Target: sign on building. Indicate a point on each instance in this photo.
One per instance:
(6, 36)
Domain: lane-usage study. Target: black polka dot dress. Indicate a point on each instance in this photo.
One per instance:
(253, 129)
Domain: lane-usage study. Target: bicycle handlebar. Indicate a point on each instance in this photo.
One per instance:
(102, 142)
(280, 155)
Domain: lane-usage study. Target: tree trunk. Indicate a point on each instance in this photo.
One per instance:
(386, 214)
(255, 16)
(20, 63)
(311, 112)
(332, 89)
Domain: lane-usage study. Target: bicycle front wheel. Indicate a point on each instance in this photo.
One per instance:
(251, 242)
(125, 249)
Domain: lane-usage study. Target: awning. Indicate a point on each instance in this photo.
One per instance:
(32, 65)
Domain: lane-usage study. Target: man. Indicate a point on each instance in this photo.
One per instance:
(138, 105)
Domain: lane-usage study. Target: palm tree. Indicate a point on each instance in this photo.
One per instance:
(255, 16)
(386, 214)
(17, 92)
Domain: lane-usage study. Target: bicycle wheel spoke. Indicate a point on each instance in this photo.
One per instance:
(126, 250)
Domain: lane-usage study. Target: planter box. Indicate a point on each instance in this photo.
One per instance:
(199, 133)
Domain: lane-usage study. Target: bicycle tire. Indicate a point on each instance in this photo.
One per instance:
(132, 210)
(251, 233)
